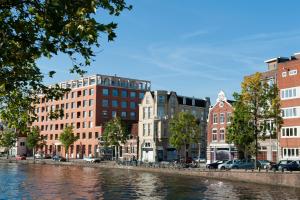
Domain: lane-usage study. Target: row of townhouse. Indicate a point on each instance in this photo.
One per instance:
(95, 100)
(282, 71)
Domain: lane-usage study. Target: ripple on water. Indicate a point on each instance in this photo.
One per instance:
(70, 182)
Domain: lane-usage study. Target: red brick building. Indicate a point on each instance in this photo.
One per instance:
(218, 119)
(289, 85)
(92, 102)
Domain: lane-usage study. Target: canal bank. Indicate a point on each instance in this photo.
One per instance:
(287, 179)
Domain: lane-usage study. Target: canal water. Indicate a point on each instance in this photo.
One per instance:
(20, 181)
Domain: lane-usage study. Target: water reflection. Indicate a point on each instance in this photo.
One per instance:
(67, 182)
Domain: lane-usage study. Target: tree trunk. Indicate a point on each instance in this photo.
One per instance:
(67, 153)
(33, 151)
(117, 152)
(7, 154)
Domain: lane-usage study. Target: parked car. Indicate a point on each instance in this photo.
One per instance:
(215, 164)
(265, 164)
(227, 164)
(59, 158)
(242, 164)
(280, 163)
(91, 160)
(47, 156)
(291, 166)
(18, 157)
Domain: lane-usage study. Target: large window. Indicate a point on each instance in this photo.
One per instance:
(289, 132)
(123, 114)
(104, 103)
(228, 117)
(124, 93)
(124, 104)
(290, 152)
(289, 112)
(289, 93)
(214, 135)
(105, 92)
(115, 92)
(91, 91)
(222, 118)
(215, 118)
(132, 94)
(222, 135)
(132, 105)
(114, 103)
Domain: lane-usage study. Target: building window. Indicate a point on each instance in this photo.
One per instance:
(132, 105)
(124, 104)
(83, 135)
(105, 92)
(161, 111)
(215, 118)
(132, 115)
(104, 113)
(83, 124)
(289, 93)
(104, 103)
(141, 95)
(214, 135)
(114, 114)
(228, 117)
(85, 92)
(114, 103)
(289, 132)
(144, 129)
(124, 93)
(115, 92)
(84, 114)
(90, 135)
(91, 113)
(123, 114)
(91, 102)
(96, 135)
(289, 112)
(149, 129)
(132, 94)
(149, 112)
(90, 124)
(91, 91)
(290, 152)
(161, 99)
(222, 118)
(293, 72)
(283, 74)
(222, 135)
(78, 93)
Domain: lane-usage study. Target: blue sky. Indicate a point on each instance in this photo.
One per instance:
(193, 47)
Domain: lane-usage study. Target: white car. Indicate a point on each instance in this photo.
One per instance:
(227, 164)
(39, 156)
(91, 160)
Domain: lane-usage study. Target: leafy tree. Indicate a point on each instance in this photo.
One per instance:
(114, 134)
(240, 131)
(33, 139)
(258, 103)
(35, 29)
(67, 138)
(185, 130)
(8, 139)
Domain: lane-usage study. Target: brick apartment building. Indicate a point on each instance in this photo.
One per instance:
(289, 86)
(219, 118)
(92, 102)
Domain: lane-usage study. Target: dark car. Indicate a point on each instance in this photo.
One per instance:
(280, 164)
(59, 158)
(292, 166)
(215, 164)
(243, 164)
